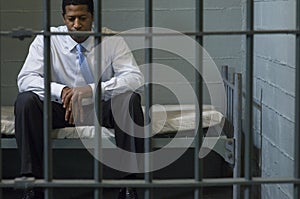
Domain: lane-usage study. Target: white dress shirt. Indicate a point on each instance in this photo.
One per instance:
(120, 72)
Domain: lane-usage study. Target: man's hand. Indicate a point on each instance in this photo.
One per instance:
(72, 102)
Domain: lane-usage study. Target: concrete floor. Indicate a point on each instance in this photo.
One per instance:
(209, 193)
(66, 167)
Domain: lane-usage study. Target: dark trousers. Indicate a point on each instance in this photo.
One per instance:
(29, 126)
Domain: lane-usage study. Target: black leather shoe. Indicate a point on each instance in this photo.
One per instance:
(32, 194)
(127, 193)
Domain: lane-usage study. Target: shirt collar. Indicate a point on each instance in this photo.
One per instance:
(87, 44)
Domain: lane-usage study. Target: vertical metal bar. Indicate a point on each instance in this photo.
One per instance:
(98, 170)
(47, 101)
(249, 97)
(0, 117)
(148, 95)
(230, 104)
(198, 163)
(297, 104)
(237, 130)
(224, 73)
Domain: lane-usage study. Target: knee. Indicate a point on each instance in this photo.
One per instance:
(130, 98)
(135, 108)
(135, 99)
(26, 101)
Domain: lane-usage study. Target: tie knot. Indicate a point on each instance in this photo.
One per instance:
(80, 48)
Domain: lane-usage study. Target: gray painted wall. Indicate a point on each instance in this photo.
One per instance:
(122, 15)
(275, 77)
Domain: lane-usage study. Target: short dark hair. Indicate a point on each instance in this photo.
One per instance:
(89, 3)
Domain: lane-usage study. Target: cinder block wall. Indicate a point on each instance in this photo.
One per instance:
(123, 15)
(275, 75)
(274, 59)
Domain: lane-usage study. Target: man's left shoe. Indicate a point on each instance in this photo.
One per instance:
(32, 194)
(28, 194)
(127, 193)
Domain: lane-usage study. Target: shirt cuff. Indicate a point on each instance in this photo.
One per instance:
(94, 90)
(56, 90)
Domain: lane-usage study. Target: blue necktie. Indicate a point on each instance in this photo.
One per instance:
(84, 66)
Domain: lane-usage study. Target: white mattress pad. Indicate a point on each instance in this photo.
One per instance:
(165, 119)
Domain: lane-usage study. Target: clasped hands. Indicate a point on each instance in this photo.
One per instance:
(72, 102)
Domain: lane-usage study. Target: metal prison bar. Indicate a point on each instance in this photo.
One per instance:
(297, 104)
(0, 126)
(98, 169)
(148, 178)
(234, 99)
(47, 119)
(148, 183)
(198, 163)
(249, 97)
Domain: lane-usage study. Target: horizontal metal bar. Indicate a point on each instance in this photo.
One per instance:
(23, 33)
(10, 143)
(221, 145)
(170, 183)
(244, 32)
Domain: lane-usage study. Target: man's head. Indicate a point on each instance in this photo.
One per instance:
(78, 16)
(89, 3)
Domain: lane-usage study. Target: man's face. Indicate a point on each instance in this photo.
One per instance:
(78, 18)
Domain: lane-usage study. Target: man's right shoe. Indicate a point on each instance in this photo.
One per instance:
(32, 194)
